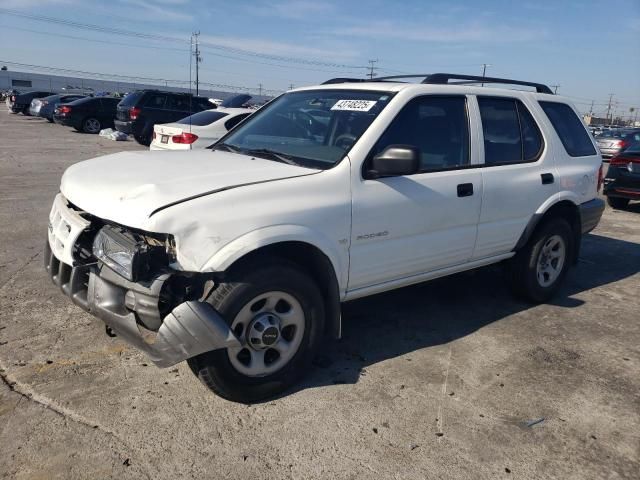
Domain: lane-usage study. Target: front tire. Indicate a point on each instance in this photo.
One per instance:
(277, 312)
(537, 270)
(617, 202)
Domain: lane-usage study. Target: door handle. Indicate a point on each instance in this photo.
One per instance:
(547, 178)
(465, 189)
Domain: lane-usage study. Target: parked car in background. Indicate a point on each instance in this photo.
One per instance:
(89, 114)
(21, 103)
(141, 110)
(611, 143)
(44, 107)
(622, 182)
(199, 130)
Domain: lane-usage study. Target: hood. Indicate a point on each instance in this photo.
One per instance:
(128, 187)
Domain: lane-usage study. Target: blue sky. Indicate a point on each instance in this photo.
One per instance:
(589, 48)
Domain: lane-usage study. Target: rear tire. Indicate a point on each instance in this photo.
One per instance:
(259, 370)
(537, 270)
(617, 202)
(142, 140)
(91, 125)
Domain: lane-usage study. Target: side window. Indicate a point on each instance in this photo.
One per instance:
(181, 103)
(232, 122)
(437, 126)
(155, 100)
(569, 128)
(531, 136)
(511, 135)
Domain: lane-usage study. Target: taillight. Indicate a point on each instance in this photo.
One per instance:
(133, 113)
(600, 177)
(187, 138)
(617, 160)
(64, 109)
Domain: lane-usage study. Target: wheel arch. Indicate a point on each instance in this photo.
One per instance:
(312, 260)
(565, 208)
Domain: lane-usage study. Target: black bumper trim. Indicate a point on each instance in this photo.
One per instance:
(590, 214)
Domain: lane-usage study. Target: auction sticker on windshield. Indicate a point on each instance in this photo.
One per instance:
(354, 105)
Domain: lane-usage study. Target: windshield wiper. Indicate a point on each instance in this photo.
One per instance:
(228, 148)
(277, 156)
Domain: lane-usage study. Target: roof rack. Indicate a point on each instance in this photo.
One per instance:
(443, 79)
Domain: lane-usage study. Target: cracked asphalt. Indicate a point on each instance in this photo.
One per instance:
(449, 379)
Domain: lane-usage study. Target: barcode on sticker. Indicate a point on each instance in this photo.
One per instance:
(354, 105)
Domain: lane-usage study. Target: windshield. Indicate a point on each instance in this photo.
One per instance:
(311, 128)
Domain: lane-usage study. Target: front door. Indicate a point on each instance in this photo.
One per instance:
(408, 225)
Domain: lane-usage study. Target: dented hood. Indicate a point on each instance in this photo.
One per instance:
(128, 187)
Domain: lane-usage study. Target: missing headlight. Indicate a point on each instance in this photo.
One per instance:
(127, 253)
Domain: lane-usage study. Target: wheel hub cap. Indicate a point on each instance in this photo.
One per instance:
(263, 331)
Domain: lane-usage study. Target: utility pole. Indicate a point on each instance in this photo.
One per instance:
(291, 86)
(609, 108)
(555, 88)
(196, 54)
(484, 70)
(260, 89)
(591, 109)
(372, 68)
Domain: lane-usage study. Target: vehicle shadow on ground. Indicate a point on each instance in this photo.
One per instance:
(437, 312)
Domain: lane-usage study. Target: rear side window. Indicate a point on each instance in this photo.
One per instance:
(569, 128)
(203, 118)
(155, 100)
(181, 103)
(511, 135)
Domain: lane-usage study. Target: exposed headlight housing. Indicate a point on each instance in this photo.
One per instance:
(118, 251)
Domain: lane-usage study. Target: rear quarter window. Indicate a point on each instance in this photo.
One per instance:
(569, 128)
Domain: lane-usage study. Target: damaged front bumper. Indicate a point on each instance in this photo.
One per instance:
(133, 309)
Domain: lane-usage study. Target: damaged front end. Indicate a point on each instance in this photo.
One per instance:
(124, 278)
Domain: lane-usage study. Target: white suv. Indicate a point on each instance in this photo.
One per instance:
(238, 258)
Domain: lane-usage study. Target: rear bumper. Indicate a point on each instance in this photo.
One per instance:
(188, 330)
(621, 182)
(590, 214)
(123, 126)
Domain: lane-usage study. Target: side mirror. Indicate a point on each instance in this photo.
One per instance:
(395, 161)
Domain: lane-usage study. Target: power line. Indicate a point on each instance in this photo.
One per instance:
(148, 36)
(134, 79)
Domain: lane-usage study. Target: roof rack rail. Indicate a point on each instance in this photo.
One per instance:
(443, 79)
(344, 80)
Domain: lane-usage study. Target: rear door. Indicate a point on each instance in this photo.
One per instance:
(179, 107)
(577, 158)
(518, 174)
(154, 110)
